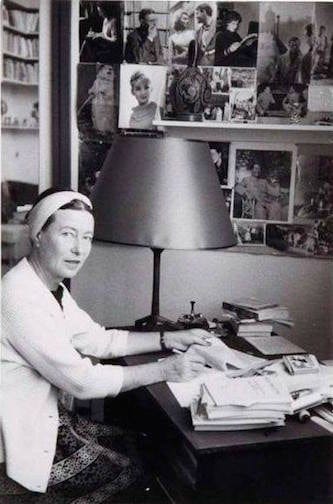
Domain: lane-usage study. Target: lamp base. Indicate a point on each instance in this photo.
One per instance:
(157, 323)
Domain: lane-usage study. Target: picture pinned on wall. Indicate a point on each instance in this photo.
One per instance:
(227, 194)
(280, 100)
(220, 156)
(243, 105)
(285, 42)
(237, 34)
(202, 49)
(100, 32)
(97, 101)
(146, 28)
(142, 94)
(313, 188)
(220, 80)
(314, 239)
(263, 179)
(249, 233)
(322, 59)
(91, 158)
(243, 77)
(182, 32)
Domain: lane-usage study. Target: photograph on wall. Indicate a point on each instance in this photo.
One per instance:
(97, 101)
(220, 80)
(182, 32)
(322, 59)
(146, 30)
(100, 32)
(142, 94)
(280, 100)
(313, 188)
(243, 105)
(243, 77)
(91, 158)
(249, 233)
(202, 48)
(227, 194)
(237, 34)
(264, 178)
(220, 156)
(285, 44)
(314, 239)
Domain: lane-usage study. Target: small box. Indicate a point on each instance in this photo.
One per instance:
(301, 364)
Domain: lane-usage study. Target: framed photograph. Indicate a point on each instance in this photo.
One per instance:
(263, 177)
(313, 188)
(97, 101)
(249, 233)
(142, 93)
(227, 194)
(220, 156)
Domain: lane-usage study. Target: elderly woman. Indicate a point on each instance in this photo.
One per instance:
(45, 340)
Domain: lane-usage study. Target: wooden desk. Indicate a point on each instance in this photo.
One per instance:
(291, 464)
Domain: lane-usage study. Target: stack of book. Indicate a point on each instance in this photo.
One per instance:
(254, 309)
(253, 328)
(241, 404)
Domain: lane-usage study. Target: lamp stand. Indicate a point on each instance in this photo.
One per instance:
(154, 322)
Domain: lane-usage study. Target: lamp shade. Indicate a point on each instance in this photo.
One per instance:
(161, 193)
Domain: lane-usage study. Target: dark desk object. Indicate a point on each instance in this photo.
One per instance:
(277, 465)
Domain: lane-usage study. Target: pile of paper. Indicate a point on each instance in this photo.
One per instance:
(241, 403)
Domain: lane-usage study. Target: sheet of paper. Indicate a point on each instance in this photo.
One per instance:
(185, 392)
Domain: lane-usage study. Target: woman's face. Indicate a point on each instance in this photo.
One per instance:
(141, 91)
(65, 244)
(184, 19)
(233, 25)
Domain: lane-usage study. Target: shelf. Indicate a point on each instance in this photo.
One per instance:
(19, 83)
(20, 32)
(243, 126)
(18, 128)
(17, 56)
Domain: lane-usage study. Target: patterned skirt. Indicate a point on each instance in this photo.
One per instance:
(92, 463)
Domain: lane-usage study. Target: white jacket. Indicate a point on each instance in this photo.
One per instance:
(40, 356)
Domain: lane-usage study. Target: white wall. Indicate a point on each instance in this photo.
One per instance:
(116, 283)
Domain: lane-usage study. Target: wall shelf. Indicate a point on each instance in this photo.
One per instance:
(18, 128)
(19, 83)
(19, 57)
(244, 126)
(19, 32)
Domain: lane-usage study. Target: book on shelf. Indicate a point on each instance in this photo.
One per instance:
(268, 313)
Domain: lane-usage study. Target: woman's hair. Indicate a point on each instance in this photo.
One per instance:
(227, 16)
(75, 204)
(138, 76)
(178, 24)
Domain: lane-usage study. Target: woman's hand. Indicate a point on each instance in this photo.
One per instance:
(181, 340)
(183, 367)
(234, 47)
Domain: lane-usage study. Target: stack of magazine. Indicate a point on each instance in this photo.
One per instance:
(241, 404)
(254, 309)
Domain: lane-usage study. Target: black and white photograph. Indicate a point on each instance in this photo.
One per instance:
(243, 77)
(227, 194)
(146, 29)
(314, 239)
(220, 156)
(237, 34)
(313, 188)
(286, 39)
(142, 94)
(243, 105)
(252, 233)
(280, 100)
(100, 32)
(322, 59)
(166, 244)
(182, 32)
(264, 178)
(97, 101)
(202, 48)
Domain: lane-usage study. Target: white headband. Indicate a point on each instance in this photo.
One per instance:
(39, 214)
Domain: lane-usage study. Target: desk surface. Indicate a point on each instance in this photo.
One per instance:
(209, 442)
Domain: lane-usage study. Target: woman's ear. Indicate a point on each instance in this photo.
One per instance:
(36, 240)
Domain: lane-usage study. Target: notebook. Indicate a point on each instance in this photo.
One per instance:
(273, 345)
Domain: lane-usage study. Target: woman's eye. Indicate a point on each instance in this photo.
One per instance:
(88, 238)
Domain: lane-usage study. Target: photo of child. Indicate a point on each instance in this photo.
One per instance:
(243, 104)
(141, 95)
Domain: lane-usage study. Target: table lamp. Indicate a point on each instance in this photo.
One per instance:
(161, 193)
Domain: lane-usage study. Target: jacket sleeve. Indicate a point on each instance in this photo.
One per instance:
(44, 342)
